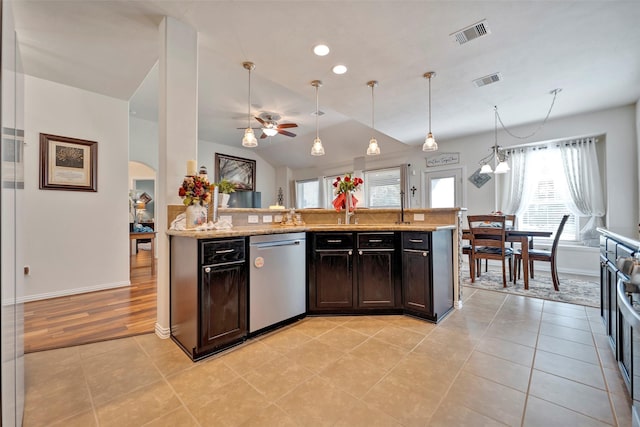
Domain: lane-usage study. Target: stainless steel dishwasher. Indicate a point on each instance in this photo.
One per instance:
(277, 284)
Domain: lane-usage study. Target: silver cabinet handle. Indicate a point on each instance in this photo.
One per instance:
(207, 270)
(226, 251)
(415, 240)
(360, 252)
(375, 241)
(334, 241)
(350, 252)
(424, 254)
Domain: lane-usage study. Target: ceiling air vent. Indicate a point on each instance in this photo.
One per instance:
(474, 31)
(487, 80)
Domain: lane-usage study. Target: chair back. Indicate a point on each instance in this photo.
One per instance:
(556, 239)
(510, 222)
(487, 231)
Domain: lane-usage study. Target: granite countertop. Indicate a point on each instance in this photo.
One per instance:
(254, 230)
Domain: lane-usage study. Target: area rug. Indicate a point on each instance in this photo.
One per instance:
(572, 290)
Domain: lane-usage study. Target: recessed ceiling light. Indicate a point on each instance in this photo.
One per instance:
(340, 69)
(321, 49)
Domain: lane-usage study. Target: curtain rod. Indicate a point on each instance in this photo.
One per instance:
(557, 141)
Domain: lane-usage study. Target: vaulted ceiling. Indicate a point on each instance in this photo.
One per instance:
(590, 49)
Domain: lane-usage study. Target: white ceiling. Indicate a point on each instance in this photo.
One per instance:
(590, 49)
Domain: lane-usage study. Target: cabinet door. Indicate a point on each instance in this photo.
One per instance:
(613, 307)
(224, 305)
(416, 279)
(333, 279)
(376, 281)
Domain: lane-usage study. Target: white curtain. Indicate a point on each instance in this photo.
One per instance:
(584, 187)
(515, 188)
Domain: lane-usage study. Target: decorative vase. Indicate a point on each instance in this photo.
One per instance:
(195, 215)
(224, 200)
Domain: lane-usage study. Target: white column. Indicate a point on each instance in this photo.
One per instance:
(178, 138)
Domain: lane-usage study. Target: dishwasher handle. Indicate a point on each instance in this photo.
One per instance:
(268, 245)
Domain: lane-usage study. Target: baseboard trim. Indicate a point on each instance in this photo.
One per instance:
(74, 291)
(162, 332)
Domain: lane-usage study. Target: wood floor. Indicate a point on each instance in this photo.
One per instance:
(96, 316)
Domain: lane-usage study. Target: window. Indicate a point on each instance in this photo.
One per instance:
(307, 194)
(382, 188)
(548, 202)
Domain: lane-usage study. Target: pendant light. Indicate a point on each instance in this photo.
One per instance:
(373, 149)
(317, 149)
(249, 139)
(430, 143)
(498, 156)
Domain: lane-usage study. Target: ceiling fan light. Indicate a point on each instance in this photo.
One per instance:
(373, 149)
(249, 139)
(430, 143)
(486, 168)
(317, 149)
(503, 167)
(270, 131)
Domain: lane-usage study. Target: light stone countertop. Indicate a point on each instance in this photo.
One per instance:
(279, 229)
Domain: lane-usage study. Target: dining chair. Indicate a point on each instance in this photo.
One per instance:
(543, 255)
(466, 250)
(488, 241)
(510, 223)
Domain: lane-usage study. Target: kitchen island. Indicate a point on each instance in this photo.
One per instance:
(378, 266)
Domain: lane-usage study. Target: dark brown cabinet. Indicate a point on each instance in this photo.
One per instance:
(378, 271)
(427, 277)
(208, 294)
(331, 271)
(353, 272)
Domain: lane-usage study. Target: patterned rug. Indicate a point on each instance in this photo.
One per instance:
(572, 290)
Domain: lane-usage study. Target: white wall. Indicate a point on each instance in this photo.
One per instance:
(76, 241)
(143, 141)
(265, 173)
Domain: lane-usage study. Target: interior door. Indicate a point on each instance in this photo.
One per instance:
(443, 188)
(11, 202)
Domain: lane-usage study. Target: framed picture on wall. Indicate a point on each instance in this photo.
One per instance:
(479, 179)
(240, 172)
(68, 163)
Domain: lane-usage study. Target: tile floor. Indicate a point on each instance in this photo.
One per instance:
(501, 360)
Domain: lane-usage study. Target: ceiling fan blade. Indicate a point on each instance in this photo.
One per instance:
(262, 122)
(286, 133)
(287, 125)
(263, 136)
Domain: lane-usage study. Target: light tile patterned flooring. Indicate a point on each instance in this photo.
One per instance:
(501, 360)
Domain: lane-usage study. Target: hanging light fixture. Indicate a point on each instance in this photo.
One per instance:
(317, 149)
(373, 149)
(430, 143)
(498, 156)
(249, 139)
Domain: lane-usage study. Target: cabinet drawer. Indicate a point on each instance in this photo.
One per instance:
(333, 241)
(222, 251)
(376, 241)
(415, 240)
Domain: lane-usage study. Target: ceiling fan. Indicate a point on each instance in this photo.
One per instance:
(270, 126)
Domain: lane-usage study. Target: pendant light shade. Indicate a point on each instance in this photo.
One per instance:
(430, 143)
(249, 139)
(498, 156)
(317, 149)
(373, 149)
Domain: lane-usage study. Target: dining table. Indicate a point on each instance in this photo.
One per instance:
(524, 237)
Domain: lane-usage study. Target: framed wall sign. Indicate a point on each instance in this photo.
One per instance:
(443, 159)
(68, 163)
(479, 179)
(240, 172)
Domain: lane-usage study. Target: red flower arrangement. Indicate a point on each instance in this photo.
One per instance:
(195, 190)
(343, 188)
